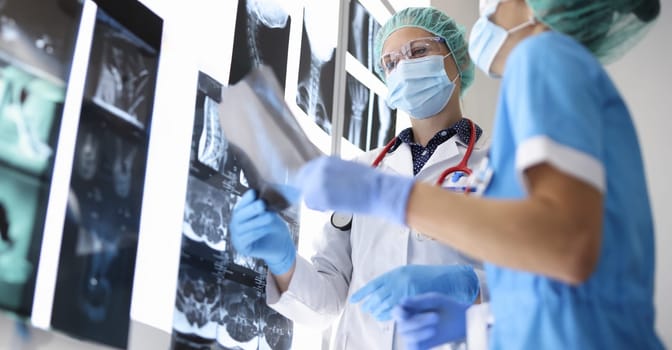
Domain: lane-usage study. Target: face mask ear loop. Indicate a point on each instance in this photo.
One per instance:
(456, 66)
(528, 23)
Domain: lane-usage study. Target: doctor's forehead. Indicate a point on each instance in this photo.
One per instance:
(403, 35)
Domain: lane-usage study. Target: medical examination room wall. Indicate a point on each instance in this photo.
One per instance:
(643, 76)
(199, 37)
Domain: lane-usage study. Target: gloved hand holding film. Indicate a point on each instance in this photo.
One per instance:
(260, 233)
(383, 293)
(330, 183)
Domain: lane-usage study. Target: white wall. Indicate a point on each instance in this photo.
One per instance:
(644, 77)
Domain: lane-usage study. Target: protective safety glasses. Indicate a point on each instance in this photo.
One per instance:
(415, 48)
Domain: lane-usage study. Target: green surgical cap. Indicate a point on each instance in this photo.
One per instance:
(437, 23)
(608, 28)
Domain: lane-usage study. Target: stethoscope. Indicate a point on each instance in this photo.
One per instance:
(343, 221)
(459, 170)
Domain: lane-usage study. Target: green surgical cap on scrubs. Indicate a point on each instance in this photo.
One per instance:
(608, 28)
(437, 23)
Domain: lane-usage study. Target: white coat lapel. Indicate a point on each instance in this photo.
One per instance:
(445, 152)
(400, 161)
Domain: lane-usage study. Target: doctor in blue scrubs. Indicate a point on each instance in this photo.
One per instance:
(566, 223)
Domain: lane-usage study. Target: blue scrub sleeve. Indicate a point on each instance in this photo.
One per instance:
(552, 92)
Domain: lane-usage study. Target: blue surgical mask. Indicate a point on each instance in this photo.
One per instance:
(487, 38)
(420, 87)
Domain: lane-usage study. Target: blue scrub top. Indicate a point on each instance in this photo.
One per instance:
(558, 106)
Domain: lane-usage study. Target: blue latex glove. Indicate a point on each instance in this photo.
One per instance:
(330, 183)
(429, 320)
(382, 294)
(262, 234)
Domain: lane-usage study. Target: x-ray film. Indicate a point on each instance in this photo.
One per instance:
(362, 32)
(383, 123)
(100, 234)
(255, 117)
(39, 36)
(221, 301)
(37, 40)
(261, 37)
(22, 199)
(357, 98)
(317, 67)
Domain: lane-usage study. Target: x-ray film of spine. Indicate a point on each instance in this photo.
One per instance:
(316, 72)
(261, 37)
(362, 33)
(221, 302)
(39, 36)
(97, 262)
(123, 71)
(22, 202)
(383, 123)
(357, 103)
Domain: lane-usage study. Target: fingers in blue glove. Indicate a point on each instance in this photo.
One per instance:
(382, 312)
(365, 291)
(411, 323)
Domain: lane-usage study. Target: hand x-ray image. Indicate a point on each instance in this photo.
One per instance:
(39, 36)
(362, 33)
(261, 37)
(357, 97)
(22, 202)
(123, 72)
(317, 67)
(220, 300)
(100, 234)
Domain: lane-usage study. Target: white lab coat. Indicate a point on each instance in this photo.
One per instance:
(346, 260)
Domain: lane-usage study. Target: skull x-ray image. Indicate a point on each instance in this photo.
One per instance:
(261, 37)
(39, 35)
(220, 300)
(357, 97)
(362, 33)
(100, 234)
(123, 70)
(317, 68)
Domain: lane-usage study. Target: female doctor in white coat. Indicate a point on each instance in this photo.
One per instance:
(364, 266)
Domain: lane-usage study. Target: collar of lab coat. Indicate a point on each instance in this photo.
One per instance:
(401, 160)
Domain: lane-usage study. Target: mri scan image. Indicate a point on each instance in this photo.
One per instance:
(123, 70)
(261, 37)
(221, 301)
(198, 304)
(100, 234)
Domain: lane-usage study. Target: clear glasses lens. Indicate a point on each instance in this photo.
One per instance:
(416, 48)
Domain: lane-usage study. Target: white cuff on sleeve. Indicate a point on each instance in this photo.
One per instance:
(542, 149)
